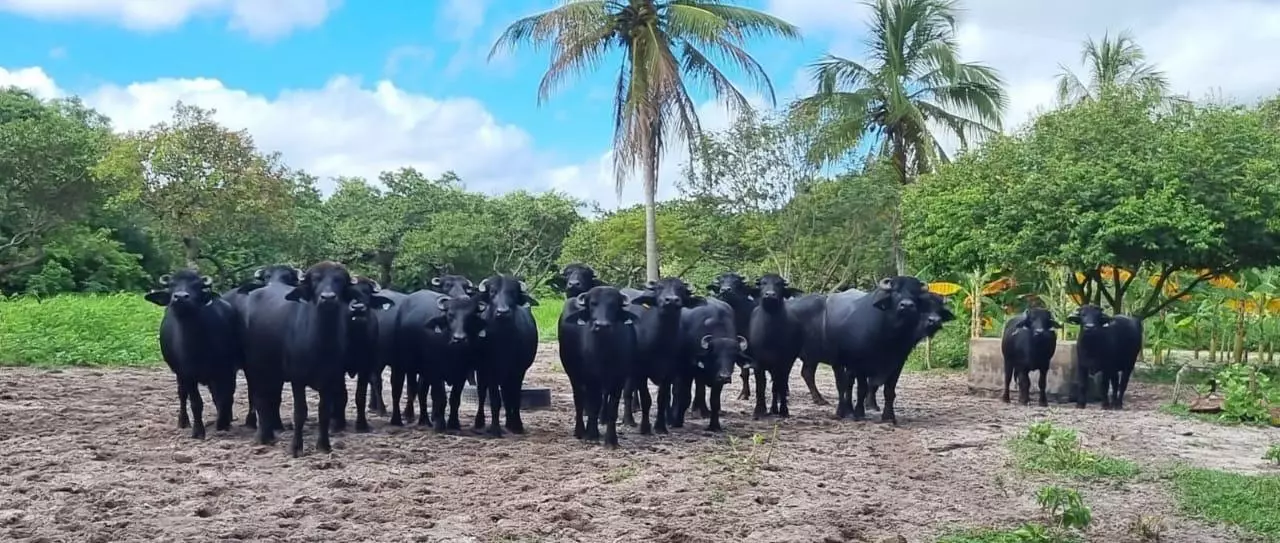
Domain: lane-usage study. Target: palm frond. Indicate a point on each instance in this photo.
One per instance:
(540, 30)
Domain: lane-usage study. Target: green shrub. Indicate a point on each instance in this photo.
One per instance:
(1045, 449)
(1247, 394)
(114, 330)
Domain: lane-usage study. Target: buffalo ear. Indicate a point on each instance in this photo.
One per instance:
(557, 283)
(300, 293)
(754, 291)
(528, 299)
(1074, 318)
(158, 297)
(948, 316)
(1054, 324)
(382, 301)
(713, 289)
(883, 299)
(437, 322)
(694, 301)
(792, 292)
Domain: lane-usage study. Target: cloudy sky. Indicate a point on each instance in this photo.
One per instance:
(353, 88)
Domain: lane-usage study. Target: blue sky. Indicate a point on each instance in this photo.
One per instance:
(355, 87)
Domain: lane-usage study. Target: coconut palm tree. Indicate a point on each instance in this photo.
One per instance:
(1111, 64)
(913, 84)
(665, 45)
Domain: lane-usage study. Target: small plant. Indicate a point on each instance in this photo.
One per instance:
(1273, 453)
(620, 474)
(1057, 450)
(1247, 394)
(1039, 432)
(1065, 507)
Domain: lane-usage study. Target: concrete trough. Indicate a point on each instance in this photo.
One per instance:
(531, 398)
(986, 373)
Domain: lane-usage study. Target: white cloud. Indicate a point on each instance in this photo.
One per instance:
(1201, 45)
(260, 19)
(461, 18)
(346, 128)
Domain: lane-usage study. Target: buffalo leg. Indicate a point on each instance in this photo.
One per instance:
(746, 383)
(844, 392)
(223, 397)
(482, 392)
(184, 421)
(338, 407)
(871, 398)
(435, 388)
(890, 389)
(646, 401)
(630, 395)
(512, 394)
(495, 405)
(715, 391)
(1008, 378)
(611, 399)
(700, 409)
(397, 386)
(299, 417)
(859, 406)
(1044, 398)
(1024, 386)
(662, 411)
(376, 402)
(579, 430)
(1082, 387)
(266, 433)
(328, 407)
(808, 370)
(1105, 382)
(197, 408)
(594, 398)
(762, 378)
(455, 403)
(1124, 386)
(362, 396)
(251, 418)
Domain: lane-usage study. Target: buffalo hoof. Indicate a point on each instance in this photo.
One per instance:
(515, 428)
(858, 416)
(424, 421)
(222, 427)
(715, 427)
(439, 427)
(362, 427)
(628, 421)
(494, 431)
(338, 426)
(295, 450)
(579, 432)
(454, 424)
(396, 421)
(324, 448)
(889, 418)
(784, 412)
(1004, 399)
(197, 432)
(1043, 403)
(819, 400)
(661, 430)
(184, 422)
(611, 444)
(646, 429)
(1106, 407)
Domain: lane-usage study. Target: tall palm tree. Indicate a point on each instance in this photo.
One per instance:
(1111, 64)
(914, 84)
(664, 45)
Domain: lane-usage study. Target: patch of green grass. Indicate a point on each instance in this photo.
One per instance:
(1251, 502)
(1028, 533)
(115, 330)
(85, 330)
(620, 474)
(1168, 374)
(1045, 449)
(1181, 410)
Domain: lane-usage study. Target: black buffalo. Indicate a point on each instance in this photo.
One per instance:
(1108, 346)
(710, 347)
(597, 338)
(434, 339)
(301, 335)
(574, 279)
(733, 290)
(659, 337)
(282, 274)
(363, 356)
(1028, 344)
(508, 351)
(774, 339)
(866, 337)
(199, 340)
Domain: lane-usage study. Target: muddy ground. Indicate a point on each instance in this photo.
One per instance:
(95, 455)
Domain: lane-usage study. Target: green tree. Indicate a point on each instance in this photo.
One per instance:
(1111, 64)
(207, 187)
(914, 84)
(665, 45)
(48, 154)
(613, 244)
(1123, 182)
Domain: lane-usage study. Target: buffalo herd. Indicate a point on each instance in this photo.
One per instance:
(318, 327)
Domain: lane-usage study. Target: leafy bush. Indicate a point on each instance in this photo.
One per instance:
(1273, 453)
(1068, 516)
(113, 330)
(1046, 449)
(1247, 394)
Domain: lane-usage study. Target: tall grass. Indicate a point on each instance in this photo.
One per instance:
(114, 330)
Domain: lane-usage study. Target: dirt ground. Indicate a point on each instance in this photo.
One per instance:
(94, 455)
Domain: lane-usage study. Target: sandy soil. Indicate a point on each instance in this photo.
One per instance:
(97, 456)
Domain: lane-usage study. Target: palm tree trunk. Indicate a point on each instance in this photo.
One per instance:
(651, 218)
(899, 255)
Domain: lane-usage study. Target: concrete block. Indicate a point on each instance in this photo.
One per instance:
(986, 373)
